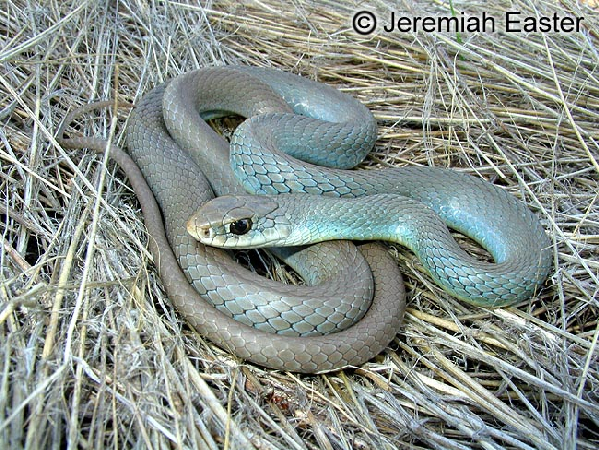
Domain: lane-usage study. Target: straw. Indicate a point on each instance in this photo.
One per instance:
(93, 355)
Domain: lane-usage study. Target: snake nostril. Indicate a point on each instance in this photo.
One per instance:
(205, 232)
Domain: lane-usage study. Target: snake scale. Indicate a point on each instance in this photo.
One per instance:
(296, 115)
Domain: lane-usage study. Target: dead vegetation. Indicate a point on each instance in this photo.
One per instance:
(94, 356)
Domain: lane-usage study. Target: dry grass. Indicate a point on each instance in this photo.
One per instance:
(94, 356)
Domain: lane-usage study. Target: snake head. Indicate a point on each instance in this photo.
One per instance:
(239, 222)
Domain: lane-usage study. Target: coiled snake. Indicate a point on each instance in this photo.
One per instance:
(341, 129)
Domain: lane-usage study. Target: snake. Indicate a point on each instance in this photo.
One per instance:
(176, 162)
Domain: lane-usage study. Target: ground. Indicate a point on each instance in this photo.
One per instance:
(93, 353)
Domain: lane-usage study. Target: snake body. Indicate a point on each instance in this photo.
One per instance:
(273, 99)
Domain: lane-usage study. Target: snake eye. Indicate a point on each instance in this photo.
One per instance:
(240, 226)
